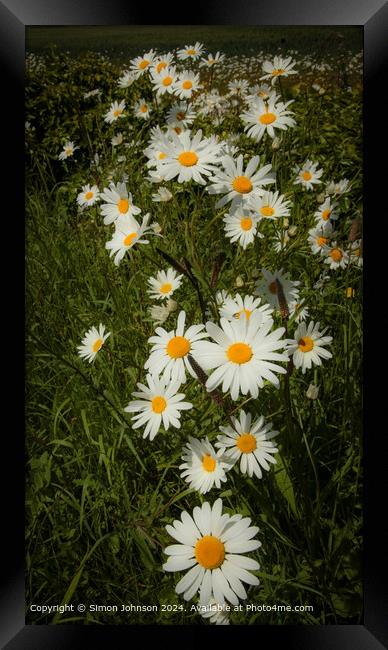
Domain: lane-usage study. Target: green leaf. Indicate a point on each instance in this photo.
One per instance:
(284, 484)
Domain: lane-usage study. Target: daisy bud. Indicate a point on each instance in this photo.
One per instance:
(320, 198)
(239, 281)
(292, 231)
(312, 391)
(286, 223)
(275, 144)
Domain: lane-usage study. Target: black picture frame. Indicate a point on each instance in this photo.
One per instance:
(15, 15)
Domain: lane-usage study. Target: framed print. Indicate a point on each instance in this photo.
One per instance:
(194, 452)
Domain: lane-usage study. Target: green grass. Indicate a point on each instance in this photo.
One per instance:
(125, 41)
(98, 495)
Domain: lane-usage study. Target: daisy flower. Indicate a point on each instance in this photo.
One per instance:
(267, 287)
(250, 443)
(266, 116)
(243, 354)
(181, 114)
(68, 150)
(142, 109)
(161, 62)
(298, 311)
(307, 347)
(117, 139)
(126, 79)
(164, 285)
(215, 612)
(92, 342)
(190, 52)
(308, 175)
(88, 196)
(339, 188)
(203, 467)
(170, 350)
(319, 238)
(336, 257)
(326, 211)
(158, 403)
(186, 84)
(237, 185)
(232, 308)
(271, 205)
(211, 546)
(117, 203)
(211, 60)
(241, 226)
(142, 63)
(116, 111)
(128, 233)
(162, 195)
(189, 158)
(355, 254)
(238, 87)
(263, 91)
(160, 313)
(279, 67)
(163, 82)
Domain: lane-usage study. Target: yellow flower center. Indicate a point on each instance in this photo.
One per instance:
(129, 239)
(178, 347)
(180, 116)
(208, 463)
(187, 84)
(143, 64)
(273, 287)
(247, 313)
(246, 443)
(188, 158)
(158, 404)
(88, 195)
(68, 151)
(357, 252)
(305, 344)
(336, 255)
(321, 241)
(162, 155)
(267, 118)
(165, 288)
(326, 214)
(350, 292)
(246, 223)
(306, 176)
(242, 184)
(117, 112)
(177, 129)
(262, 93)
(143, 108)
(239, 353)
(167, 81)
(267, 211)
(161, 65)
(97, 345)
(209, 552)
(277, 72)
(123, 206)
(191, 51)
